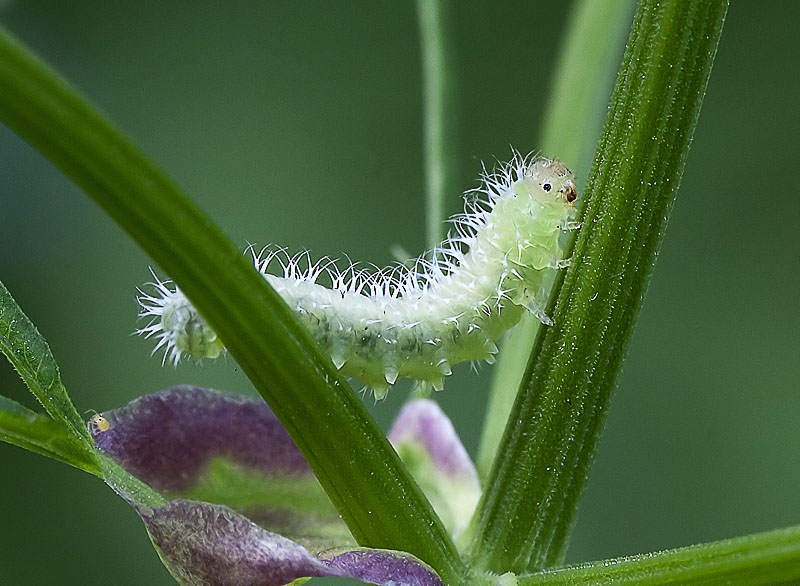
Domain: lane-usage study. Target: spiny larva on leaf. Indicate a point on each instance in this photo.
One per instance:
(450, 305)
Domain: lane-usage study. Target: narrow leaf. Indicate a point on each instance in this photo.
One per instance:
(764, 559)
(532, 495)
(361, 473)
(40, 434)
(30, 355)
(128, 486)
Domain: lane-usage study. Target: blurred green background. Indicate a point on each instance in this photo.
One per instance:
(299, 123)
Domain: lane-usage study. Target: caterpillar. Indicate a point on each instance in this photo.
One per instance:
(448, 306)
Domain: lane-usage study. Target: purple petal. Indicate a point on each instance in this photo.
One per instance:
(385, 568)
(167, 439)
(423, 422)
(204, 545)
(429, 445)
(211, 545)
(204, 445)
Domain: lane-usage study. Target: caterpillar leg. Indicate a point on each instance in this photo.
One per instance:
(543, 317)
(561, 263)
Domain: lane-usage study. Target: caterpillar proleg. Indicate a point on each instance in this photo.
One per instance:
(450, 306)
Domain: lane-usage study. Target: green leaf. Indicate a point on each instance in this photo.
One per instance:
(764, 559)
(66, 439)
(532, 495)
(573, 121)
(40, 434)
(30, 355)
(361, 473)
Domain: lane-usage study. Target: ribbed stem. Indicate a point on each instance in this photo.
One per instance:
(529, 507)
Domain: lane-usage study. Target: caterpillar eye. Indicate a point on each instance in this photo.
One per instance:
(547, 187)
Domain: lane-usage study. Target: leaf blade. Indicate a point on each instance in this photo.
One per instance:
(30, 355)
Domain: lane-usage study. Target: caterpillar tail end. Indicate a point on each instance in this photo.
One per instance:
(176, 325)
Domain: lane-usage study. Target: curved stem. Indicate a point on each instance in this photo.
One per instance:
(359, 470)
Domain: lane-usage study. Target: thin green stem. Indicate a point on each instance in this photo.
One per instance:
(440, 127)
(528, 509)
(764, 559)
(365, 479)
(573, 121)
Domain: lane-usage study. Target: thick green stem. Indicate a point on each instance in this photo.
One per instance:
(572, 125)
(529, 507)
(365, 479)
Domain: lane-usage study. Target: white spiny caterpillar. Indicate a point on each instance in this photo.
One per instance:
(450, 306)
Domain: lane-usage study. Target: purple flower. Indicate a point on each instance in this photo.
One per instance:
(428, 444)
(210, 545)
(237, 481)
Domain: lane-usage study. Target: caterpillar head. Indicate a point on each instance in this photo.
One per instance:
(543, 194)
(549, 182)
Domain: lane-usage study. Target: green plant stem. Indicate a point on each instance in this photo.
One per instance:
(764, 559)
(572, 124)
(361, 473)
(440, 126)
(528, 509)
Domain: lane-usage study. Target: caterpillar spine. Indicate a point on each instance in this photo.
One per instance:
(450, 306)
